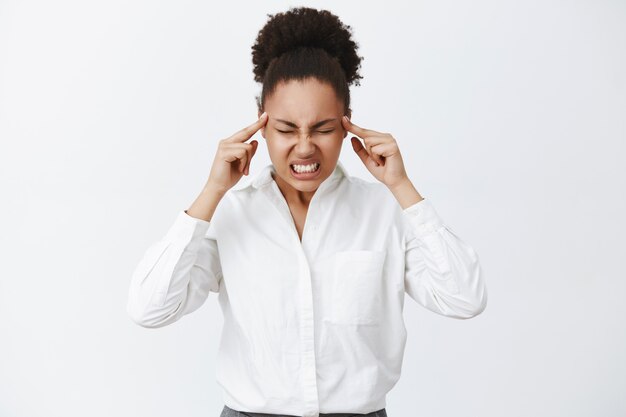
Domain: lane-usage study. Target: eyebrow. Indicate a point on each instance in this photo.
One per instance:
(313, 126)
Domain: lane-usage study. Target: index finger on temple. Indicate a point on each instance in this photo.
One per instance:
(247, 132)
(357, 130)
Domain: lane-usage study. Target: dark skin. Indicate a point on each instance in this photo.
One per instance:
(304, 124)
(299, 217)
(293, 129)
(303, 104)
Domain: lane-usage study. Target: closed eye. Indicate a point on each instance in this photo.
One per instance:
(320, 131)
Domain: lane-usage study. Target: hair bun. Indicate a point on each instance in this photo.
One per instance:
(309, 28)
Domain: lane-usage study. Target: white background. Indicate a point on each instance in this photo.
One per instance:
(510, 117)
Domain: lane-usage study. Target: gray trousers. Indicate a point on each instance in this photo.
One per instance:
(229, 412)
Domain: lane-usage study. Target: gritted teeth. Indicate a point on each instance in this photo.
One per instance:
(305, 168)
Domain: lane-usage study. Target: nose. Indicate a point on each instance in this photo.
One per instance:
(305, 146)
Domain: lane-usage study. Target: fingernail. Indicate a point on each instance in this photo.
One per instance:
(264, 113)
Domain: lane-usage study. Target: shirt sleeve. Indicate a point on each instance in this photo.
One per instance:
(442, 272)
(175, 274)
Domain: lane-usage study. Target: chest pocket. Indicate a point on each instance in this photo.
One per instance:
(357, 288)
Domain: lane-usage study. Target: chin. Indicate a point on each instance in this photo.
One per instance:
(308, 186)
(304, 184)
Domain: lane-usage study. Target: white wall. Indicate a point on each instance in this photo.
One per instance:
(510, 118)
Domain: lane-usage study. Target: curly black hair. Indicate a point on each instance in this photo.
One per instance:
(305, 42)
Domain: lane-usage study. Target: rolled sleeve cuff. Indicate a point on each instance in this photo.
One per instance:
(426, 224)
(187, 228)
(423, 217)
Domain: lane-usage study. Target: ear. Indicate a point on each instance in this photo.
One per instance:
(349, 114)
(259, 113)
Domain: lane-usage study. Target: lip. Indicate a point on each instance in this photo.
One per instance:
(306, 175)
(303, 162)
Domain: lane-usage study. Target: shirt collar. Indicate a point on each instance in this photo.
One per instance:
(265, 176)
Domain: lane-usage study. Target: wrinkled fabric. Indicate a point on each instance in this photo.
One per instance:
(314, 325)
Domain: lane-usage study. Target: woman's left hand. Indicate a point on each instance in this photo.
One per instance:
(380, 155)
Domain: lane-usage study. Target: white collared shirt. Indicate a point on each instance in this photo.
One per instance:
(312, 326)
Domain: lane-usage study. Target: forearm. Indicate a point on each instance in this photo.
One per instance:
(406, 194)
(205, 204)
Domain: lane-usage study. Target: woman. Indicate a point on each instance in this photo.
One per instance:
(310, 264)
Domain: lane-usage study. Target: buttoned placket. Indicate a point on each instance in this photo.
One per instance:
(307, 322)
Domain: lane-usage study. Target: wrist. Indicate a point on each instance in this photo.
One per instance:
(214, 190)
(405, 193)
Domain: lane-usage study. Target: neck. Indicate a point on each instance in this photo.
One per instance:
(292, 196)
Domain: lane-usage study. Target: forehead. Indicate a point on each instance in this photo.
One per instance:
(303, 101)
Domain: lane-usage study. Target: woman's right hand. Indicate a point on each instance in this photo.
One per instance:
(233, 156)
